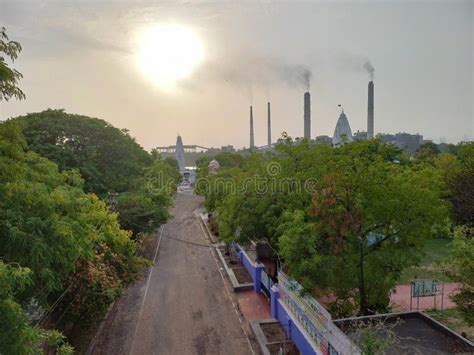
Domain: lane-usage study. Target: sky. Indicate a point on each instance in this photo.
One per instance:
(81, 56)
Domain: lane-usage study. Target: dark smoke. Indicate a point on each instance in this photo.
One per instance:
(295, 75)
(248, 74)
(369, 67)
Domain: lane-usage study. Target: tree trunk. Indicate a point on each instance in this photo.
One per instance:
(364, 307)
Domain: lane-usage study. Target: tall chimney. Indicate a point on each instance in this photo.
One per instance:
(307, 115)
(269, 137)
(370, 112)
(252, 141)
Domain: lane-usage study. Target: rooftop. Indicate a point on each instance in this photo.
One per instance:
(417, 334)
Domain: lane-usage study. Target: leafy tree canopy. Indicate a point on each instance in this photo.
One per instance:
(107, 158)
(9, 77)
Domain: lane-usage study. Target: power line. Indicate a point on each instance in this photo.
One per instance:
(192, 243)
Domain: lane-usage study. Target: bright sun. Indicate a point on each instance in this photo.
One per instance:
(168, 53)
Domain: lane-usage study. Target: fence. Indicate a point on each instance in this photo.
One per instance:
(306, 321)
(314, 320)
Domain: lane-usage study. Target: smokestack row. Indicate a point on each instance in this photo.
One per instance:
(252, 138)
(307, 115)
(370, 111)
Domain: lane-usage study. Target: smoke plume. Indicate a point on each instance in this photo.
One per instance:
(369, 67)
(249, 73)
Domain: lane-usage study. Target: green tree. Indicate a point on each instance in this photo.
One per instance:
(17, 335)
(48, 224)
(427, 151)
(108, 158)
(145, 208)
(462, 270)
(462, 186)
(9, 77)
(367, 221)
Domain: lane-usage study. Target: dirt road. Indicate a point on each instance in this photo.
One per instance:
(181, 306)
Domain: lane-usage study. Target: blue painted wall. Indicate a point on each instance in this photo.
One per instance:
(293, 331)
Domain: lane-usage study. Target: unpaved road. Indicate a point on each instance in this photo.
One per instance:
(182, 306)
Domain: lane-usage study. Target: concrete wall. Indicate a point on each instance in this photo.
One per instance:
(253, 268)
(294, 332)
(281, 312)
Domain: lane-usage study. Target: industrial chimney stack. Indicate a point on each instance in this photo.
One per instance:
(252, 140)
(307, 115)
(269, 137)
(370, 112)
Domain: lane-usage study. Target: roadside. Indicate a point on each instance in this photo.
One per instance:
(181, 306)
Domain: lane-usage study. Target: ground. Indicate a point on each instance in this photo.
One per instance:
(436, 251)
(182, 306)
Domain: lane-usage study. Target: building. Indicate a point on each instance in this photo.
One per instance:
(213, 166)
(179, 155)
(406, 141)
(343, 132)
(360, 135)
(323, 139)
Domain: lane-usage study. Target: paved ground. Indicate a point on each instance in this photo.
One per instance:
(254, 306)
(401, 298)
(182, 306)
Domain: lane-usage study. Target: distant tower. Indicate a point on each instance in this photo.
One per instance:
(307, 115)
(269, 137)
(179, 154)
(370, 111)
(252, 139)
(343, 132)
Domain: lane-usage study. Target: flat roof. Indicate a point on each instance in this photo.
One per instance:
(417, 334)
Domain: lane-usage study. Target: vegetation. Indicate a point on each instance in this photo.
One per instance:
(64, 255)
(431, 266)
(373, 337)
(454, 320)
(9, 77)
(107, 158)
(461, 269)
(347, 221)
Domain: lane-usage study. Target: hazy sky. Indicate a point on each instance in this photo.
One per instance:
(81, 56)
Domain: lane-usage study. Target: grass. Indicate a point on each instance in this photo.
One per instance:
(436, 251)
(453, 320)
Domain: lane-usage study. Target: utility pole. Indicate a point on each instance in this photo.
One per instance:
(112, 201)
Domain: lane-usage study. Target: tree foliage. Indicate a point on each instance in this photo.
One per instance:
(346, 220)
(462, 269)
(107, 158)
(17, 335)
(50, 227)
(9, 77)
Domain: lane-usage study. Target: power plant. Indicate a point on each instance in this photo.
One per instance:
(370, 111)
(252, 138)
(307, 115)
(342, 132)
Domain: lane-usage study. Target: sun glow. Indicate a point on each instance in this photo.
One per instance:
(168, 53)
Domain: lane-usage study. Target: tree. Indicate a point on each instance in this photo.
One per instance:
(9, 77)
(49, 225)
(107, 158)
(462, 186)
(427, 151)
(367, 221)
(461, 268)
(17, 335)
(145, 208)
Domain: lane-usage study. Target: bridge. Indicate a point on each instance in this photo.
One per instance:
(187, 149)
